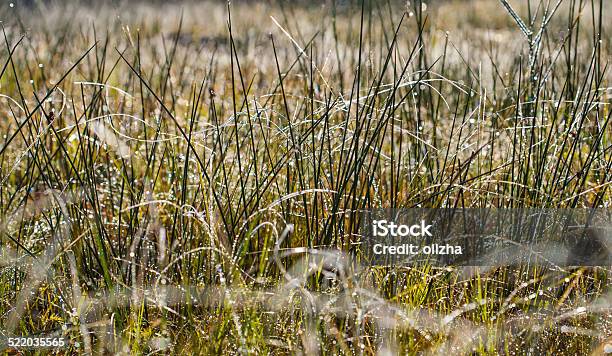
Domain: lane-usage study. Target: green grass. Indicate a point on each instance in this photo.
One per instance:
(188, 178)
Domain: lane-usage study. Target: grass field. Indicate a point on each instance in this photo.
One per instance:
(188, 177)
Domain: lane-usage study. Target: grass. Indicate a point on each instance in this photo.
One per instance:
(188, 178)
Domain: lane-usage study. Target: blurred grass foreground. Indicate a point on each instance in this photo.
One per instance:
(188, 177)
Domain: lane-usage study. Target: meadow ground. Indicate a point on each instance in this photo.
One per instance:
(188, 177)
